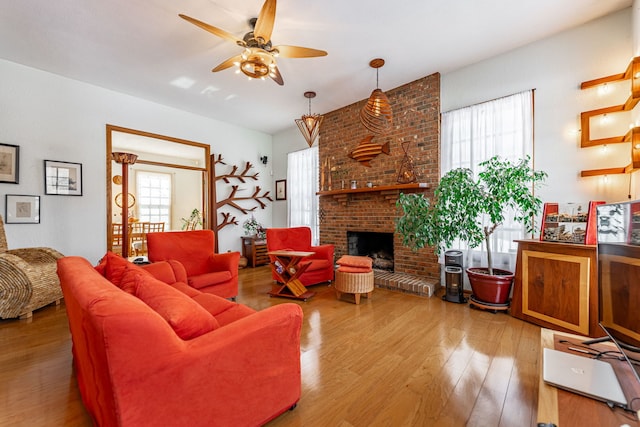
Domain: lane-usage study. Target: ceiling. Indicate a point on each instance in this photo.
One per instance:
(144, 49)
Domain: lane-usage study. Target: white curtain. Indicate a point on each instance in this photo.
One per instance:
(302, 180)
(476, 133)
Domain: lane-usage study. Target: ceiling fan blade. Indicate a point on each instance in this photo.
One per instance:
(277, 76)
(264, 24)
(210, 28)
(228, 63)
(298, 52)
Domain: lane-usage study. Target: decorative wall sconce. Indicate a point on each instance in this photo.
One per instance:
(376, 115)
(309, 124)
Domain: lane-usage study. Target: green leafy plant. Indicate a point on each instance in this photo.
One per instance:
(194, 220)
(470, 210)
(253, 227)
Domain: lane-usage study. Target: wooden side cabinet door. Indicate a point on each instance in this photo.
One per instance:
(555, 289)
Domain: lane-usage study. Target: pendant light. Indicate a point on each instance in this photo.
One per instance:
(309, 124)
(376, 115)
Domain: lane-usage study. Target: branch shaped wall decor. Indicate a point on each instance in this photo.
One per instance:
(258, 197)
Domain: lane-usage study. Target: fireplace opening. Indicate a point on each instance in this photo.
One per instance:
(378, 246)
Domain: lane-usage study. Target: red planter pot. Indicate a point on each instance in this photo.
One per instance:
(492, 289)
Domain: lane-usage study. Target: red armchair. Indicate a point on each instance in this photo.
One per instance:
(206, 271)
(299, 239)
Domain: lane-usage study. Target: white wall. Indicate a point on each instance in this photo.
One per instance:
(555, 67)
(55, 118)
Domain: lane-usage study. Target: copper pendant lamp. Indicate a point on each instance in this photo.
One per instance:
(309, 124)
(377, 115)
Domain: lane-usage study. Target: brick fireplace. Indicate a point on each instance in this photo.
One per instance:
(416, 121)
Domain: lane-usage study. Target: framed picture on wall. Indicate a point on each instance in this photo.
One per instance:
(9, 163)
(281, 189)
(22, 209)
(62, 178)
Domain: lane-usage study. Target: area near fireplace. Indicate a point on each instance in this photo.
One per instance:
(416, 110)
(375, 245)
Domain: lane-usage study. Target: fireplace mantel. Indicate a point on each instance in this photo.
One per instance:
(412, 186)
(389, 191)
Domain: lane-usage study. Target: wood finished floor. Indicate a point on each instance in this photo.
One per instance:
(393, 360)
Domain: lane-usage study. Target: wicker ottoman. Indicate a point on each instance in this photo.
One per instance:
(354, 283)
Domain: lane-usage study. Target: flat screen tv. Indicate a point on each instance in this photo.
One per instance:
(619, 279)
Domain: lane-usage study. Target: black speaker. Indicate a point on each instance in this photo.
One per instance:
(453, 277)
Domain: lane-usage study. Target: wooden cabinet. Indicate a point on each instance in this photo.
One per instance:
(255, 250)
(556, 286)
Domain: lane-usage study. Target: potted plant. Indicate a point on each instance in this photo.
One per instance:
(194, 220)
(471, 210)
(253, 228)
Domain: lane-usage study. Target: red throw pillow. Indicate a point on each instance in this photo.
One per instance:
(113, 267)
(348, 269)
(355, 261)
(187, 318)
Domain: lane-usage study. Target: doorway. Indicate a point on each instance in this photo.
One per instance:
(168, 181)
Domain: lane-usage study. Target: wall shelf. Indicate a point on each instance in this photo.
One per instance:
(413, 186)
(388, 191)
(633, 136)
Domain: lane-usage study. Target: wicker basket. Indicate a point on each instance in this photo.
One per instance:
(354, 283)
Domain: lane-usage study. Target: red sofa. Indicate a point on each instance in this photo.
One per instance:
(299, 239)
(206, 271)
(233, 367)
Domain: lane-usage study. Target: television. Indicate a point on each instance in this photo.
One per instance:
(618, 254)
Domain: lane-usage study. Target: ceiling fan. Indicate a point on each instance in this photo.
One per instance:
(258, 59)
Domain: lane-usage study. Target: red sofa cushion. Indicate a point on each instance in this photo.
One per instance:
(186, 289)
(113, 267)
(208, 279)
(187, 318)
(223, 310)
(317, 264)
(169, 271)
(355, 261)
(348, 269)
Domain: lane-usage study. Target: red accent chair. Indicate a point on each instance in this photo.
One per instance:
(206, 271)
(299, 239)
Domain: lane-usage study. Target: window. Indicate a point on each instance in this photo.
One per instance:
(154, 197)
(302, 180)
(476, 133)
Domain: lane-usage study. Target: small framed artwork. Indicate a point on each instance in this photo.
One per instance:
(281, 189)
(9, 163)
(62, 178)
(22, 209)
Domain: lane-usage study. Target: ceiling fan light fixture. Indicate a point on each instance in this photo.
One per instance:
(256, 63)
(309, 124)
(377, 115)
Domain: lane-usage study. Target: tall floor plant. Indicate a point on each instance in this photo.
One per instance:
(471, 210)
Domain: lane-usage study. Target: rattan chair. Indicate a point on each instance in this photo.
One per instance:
(28, 279)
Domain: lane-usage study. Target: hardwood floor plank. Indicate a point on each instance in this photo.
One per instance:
(393, 360)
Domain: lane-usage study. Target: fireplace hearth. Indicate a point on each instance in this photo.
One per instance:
(377, 246)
